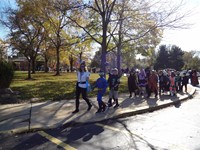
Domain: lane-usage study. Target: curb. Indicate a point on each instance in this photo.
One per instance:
(123, 115)
(144, 110)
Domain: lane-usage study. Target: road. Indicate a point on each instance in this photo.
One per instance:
(172, 128)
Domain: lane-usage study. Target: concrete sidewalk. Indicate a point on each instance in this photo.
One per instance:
(16, 118)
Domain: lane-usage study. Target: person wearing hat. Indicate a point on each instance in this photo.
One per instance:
(81, 86)
(101, 84)
(113, 82)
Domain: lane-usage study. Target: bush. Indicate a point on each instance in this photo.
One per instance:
(6, 74)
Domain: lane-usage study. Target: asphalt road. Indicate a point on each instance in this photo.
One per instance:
(172, 128)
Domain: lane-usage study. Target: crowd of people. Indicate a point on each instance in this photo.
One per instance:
(141, 83)
(146, 81)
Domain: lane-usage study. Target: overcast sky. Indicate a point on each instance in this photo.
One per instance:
(186, 39)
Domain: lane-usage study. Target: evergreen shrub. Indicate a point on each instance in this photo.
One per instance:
(6, 74)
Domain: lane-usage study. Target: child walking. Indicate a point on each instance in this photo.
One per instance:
(184, 82)
(101, 84)
(113, 82)
(172, 87)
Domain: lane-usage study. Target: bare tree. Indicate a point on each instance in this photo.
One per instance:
(100, 13)
(128, 22)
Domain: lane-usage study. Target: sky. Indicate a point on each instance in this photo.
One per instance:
(187, 39)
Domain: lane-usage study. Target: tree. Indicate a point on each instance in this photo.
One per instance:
(3, 47)
(141, 35)
(96, 61)
(176, 58)
(56, 21)
(100, 25)
(169, 57)
(26, 34)
(162, 59)
(116, 24)
(191, 60)
(112, 24)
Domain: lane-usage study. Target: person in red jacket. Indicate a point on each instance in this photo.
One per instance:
(153, 84)
(172, 86)
(194, 78)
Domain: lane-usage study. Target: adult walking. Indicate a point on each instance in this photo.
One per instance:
(153, 83)
(194, 78)
(142, 81)
(133, 83)
(81, 86)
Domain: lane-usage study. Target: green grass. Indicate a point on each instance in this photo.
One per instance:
(46, 86)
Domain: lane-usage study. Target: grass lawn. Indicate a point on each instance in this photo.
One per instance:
(46, 86)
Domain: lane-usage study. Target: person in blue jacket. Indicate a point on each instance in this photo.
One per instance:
(101, 84)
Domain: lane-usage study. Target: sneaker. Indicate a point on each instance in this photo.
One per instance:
(104, 108)
(109, 105)
(98, 111)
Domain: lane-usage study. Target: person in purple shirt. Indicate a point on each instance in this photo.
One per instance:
(101, 84)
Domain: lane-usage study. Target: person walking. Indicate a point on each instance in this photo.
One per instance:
(194, 78)
(153, 84)
(184, 82)
(142, 81)
(113, 82)
(132, 83)
(178, 82)
(172, 87)
(101, 84)
(81, 86)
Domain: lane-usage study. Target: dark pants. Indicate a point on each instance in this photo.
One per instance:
(184, 85)
(161, 87)
(178, 87)
(82, 91)
(149, 91)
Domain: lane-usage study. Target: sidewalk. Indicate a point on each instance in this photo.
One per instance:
(16, 118)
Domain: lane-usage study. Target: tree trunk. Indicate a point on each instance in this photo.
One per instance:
(119, 46)
(46, 69)
(57, 61)
(119, 58)
(103, 57)
(71, 61)
(33, 65)
(104, 45)
(80, 56)
(29, 70)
